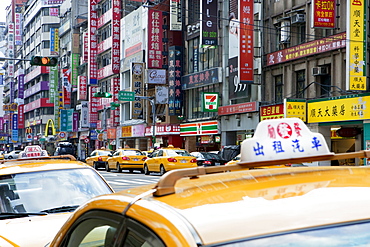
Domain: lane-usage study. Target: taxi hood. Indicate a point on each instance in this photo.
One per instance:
(31, 231)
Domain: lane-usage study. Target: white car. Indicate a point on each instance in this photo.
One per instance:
(12, 155)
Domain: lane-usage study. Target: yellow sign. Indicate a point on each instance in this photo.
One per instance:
(355, 108)
(50, 128)
(356, 56)
(296, 109)
(126, 131)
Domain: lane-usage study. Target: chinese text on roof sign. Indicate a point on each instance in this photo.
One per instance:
(283, 139)
(33, 152)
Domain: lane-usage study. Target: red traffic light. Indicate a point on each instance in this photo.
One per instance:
(44, 61)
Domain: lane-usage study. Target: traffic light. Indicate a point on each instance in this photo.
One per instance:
(44, 61)
(102, 95)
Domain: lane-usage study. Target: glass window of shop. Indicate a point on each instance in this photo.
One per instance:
(201, 58)
(194, 110)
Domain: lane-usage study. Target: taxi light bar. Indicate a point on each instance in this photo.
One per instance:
(166, 184)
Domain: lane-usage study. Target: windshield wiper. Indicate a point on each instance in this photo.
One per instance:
(60, 209)
(19, 215)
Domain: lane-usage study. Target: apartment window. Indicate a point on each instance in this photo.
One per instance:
(301, 78)
(279, 89)
(301, 33)
(45, 44)
(194, 11)
(105, 6)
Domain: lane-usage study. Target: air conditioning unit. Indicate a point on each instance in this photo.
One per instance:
(319, 71)
(298, 18)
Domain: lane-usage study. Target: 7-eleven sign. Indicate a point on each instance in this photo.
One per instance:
(210, 102)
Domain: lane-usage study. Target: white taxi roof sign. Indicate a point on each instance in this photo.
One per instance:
(281, 139)
(33, 151)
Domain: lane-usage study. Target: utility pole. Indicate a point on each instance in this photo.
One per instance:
(152, 102)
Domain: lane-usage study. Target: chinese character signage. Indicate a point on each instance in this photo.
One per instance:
(21, 86)
(82, 88)
(272, 112)
(116, 30)
(14, 127)
(66, 87)
(208, 26)
(175, 94)
(115, 113)
(74, 69)
(66, 120)
(93, 43)
(340, 109)
(200, 79)
(84, 118)
(155, 39)
(311, 48)
(93, 107)
(18, 29)
(238, 108)
(323, 14)
(285, 138)
(295, 108)
(54, 41)
(175, 15)
(133, 33)
(137, 85)
(10, 49)
(246, 49)
(356, 47)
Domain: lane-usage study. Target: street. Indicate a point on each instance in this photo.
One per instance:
(126, 180)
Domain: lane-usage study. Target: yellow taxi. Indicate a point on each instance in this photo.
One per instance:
(167, 159)
(39, 192)
(235, 160)
(126, 159)
(98, 158)
(206, 206)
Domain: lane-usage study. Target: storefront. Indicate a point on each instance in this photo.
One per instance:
(344, 121)
(165, 134)
(201, 136)
(133, 137)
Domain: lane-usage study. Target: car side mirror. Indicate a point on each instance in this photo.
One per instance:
(150, 156)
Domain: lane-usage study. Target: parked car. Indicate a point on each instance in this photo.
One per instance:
(65, 148)
(207, 206)
(12, 154)
(167, 159)
(130, 159)
(208, 159)
(98, 158)
(38, 194)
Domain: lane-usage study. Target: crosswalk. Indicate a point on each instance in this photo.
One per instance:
(121, 181)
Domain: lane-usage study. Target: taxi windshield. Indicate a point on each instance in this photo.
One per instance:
(178, 152)
(46, 190)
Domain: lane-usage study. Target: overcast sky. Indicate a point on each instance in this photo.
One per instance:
(3, 5)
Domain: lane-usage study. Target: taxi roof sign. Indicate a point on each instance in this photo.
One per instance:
(33, 151)
(281, 139)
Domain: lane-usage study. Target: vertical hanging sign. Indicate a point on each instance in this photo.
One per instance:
(246, 49)
(116, 30)
(93, 43)
(175, 95)
(155, 36)
(208, 27)
(14, 127)
(137, 81)
(175, 15)
(356, 46)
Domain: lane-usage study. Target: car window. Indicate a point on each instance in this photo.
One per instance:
(160, 153)
(132, 152)
(103, 152)
(93, 153)
(36, 191)
(177, 152)
(98, 228)
(211, 156)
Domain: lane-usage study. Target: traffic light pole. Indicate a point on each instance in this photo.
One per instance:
(152, 102)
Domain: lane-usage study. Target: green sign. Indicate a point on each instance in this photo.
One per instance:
(126, 96)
